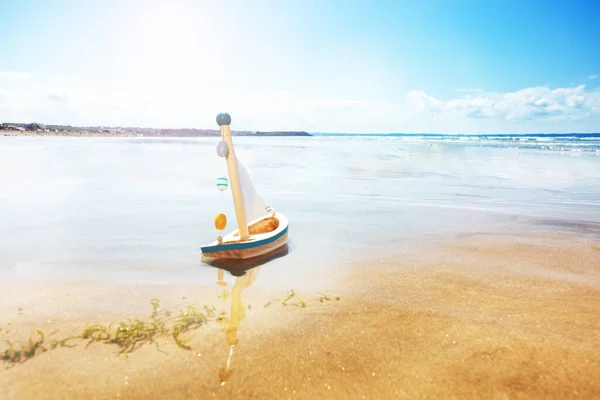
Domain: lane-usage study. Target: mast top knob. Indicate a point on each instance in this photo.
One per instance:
(223, 119)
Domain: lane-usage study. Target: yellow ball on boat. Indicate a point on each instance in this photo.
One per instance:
(220, 221)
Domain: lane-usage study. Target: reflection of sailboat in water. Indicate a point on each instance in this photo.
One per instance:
(245, 271)
(229, 324)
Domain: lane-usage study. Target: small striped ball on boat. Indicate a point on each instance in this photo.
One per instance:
(222, 183)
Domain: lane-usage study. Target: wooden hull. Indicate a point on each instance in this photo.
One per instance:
(238, 266)
(258, 244)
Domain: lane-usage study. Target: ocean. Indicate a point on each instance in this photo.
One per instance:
(138, 209)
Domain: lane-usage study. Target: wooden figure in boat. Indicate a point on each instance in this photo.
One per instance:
(260, 229)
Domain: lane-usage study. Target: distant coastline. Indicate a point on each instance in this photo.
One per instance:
(459, 135)
(37, 129)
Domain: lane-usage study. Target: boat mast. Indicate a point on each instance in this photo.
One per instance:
(224, 120)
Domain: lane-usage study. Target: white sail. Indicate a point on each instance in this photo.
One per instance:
(254, 206)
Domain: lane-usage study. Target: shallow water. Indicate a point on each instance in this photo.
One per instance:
(451, 321)
(138, 209)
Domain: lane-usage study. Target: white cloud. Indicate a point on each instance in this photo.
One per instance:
(419, 101)
(14, 75)
(536, 103)
(3, 96)
(58, 97)
(593, 76)
(60, 100)
(468, 90)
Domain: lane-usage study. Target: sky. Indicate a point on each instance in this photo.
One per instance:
(338, 66)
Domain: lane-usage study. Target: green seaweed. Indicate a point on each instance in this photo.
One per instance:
(300, 303)
(131, 334)
(324, 297)
(289, 297)
(36, 345)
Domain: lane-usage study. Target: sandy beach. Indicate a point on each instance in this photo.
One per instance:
(430, 171)
(420, 269)
(479, 316)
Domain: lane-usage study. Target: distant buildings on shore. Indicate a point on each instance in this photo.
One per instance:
(34, 126)
(66, 130)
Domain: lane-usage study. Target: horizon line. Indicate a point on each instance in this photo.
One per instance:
(451, 134)
(313, 133)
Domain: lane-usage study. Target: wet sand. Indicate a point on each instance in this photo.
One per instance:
(481, 316)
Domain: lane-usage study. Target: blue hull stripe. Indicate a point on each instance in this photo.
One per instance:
(243, 246)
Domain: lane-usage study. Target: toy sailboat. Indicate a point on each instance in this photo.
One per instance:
(260, 230)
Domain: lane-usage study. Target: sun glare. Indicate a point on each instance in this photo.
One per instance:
(171, 37)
